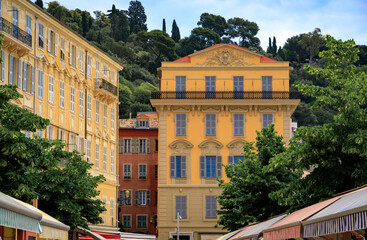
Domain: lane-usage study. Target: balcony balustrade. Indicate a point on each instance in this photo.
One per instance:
(15, 32)
(104, 84)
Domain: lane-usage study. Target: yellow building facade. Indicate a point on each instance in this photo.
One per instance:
(210, 103)
(66, 79)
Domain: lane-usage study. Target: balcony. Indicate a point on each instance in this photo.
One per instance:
(226, 95)
(13, 32)
(105, 90)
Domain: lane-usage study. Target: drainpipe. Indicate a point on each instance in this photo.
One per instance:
(86, 96)
(35, 66)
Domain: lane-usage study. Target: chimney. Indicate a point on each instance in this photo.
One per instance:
(130, 115)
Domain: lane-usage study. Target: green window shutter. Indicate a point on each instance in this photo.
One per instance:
(136, 199)
(147, 124)
(137, 124)
(148, 145)
(132, 145)
(137, 145)
(148, 197)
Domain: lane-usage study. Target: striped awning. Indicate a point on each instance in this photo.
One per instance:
(349, 213)
(53, 233)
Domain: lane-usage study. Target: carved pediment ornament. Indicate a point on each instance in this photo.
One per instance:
(181, 143)
(180, 109)
(211, 109)
(225, 57)
(239, 109)
(235, 142)
(211, 141)
(267, 109)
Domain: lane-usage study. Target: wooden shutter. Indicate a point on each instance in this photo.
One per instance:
(11, 68)
(56, 44)
(136, 199)
(69, 142)
(137, 124)
(202, 166)
(76, 57)
(148, 145)
(25, 83)
(137, 145)
(132, 145)
(148, 197)
(70, 54)
(49, 41)
(183, 166)
(172, 166)
(230, 160)
(183, 207)
(32, 80)
(19, 73)
(219, 166)
(3, 66)
(85, 149)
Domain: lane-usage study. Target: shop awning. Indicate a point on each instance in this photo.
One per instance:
(349, 213)
(89, 233)
(290, 226)
(229, 235)
(254, 231)
(13, 214)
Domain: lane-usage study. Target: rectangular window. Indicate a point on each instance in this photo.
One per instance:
(267, 87)
(156, 171)
(112, 166)
(105, 158)
(11, 69)
(72, 98)
(237, 159)
(89, 150)
(142, 124)
(210, 207)
(50, 132)
(178, 166)
(238, 124)
(156, 145)
(98, 77)
(105, 72)
(142, 221)
(127, 171)
(143, 146)
(51, 89)
(39, 133)
(126, 221)
(180, 87)
(238, 87)
(127, 145)
(210, 87)
(125, 197)
(28, 28)
(41, 38)
(105, 115)
(142, 198)
(73, 52)
(142, 171)
(210, 166)
(181, 205)
(81, 61)
(267, 119)
(19, 73)
(15, 22)
(81, 103)
(112, 118)
(210, 124)
(62, 49)
(25, 77)
(97, 111)
(62, 94)
(181, 124)
(52, 42)
(40, 84)
(97, 156)
(89, 105)
(27, 134)
(89, 71)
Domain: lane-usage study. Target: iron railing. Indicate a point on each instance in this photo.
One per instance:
(226, 95)
(15, 31)
(104, 84)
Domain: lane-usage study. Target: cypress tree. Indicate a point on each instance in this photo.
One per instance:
(270, 48)
(39, 3)
(175, 32)
(164, 25)
(275, 48)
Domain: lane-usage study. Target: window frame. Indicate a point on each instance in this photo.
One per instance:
(142, 174)
(123, 220)
(209, 121)
(127, 173)
(137, 221)
(238, 124)
(179, 208)
(181, 124)
(213, 214)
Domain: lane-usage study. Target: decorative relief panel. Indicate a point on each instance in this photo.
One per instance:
(236, 147)
(225, 57)
(180, 147)
(28, 100)
(210, 147)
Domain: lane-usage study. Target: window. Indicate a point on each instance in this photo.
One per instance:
(97, 111)
(142, 221)
(156, 198)
(142, 198)
(11, 69)
(126, 221)
(142, 171)
(89, 150)
(238, 87)
(127, 171)
(156, 145)
(62, 94)
(97, 156)
(50, 132)
(181, 206)
(112, 207)
(81, 103)
(39, 132)
(105, 72)
(127, 145)
(105, 115)
(210, 207)
(72, 98)
(267, 119)
(105, 158)
(27, 134)
(28, 28)
(97, 75)
(73, 142)
(62, 49)
(53, 39)
(125, 197)
(234, 159)
(51, 89)
(142, 124)
(41, 38)
(181, 124)
(18, 71)
(40, 84)
(26, 82)
(73, 51)
(238, 124)
(112, 118)
(267, 87)
(121, 145)
(180, 87)
(210, 166)
(156, 171)
(210, 125)
(81, 61)
(89, 71)
(178, 166)
(15, 22)
(210, 87)
(143, 146)
(89, 107)
(112, 166)
(61, 135)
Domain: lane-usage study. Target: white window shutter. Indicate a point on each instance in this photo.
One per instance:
(56, 43)
(49, 40)
(85, 149)
(19, 73)
(70, 148)
(11, 68)
(47, 132)
(77, 147)
(76, 57)
(3, 66)
(71, 54)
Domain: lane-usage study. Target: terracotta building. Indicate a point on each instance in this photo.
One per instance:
(138, 171)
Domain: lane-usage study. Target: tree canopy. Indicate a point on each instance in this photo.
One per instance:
(213, 22)
(137, 17)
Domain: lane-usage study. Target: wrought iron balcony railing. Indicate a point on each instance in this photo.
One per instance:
(225, 95)
(15, 31)
(104, 84)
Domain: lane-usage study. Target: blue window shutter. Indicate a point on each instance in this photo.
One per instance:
(183, 166)
(202, 166)
(172, 166)
(230, 160)
(219, 166)
(148, 197)
(136, 199)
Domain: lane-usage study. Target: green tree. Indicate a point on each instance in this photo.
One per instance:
(137, 17)
(245, 198)
(270, 48)
(175, 32)
(275, 48)
(164, 25)
(311, 42)
(204, 37)
(244, 30)
(337, 150)
(39, 3)
(215, 23)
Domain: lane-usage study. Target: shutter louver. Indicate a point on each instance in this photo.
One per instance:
(19, 73)
(49, 41)
(230, 160)
(148, 145)
(172, 166)
(183, 166)
(148, 197)
(70, 54)
(136, 199)
(3, 66)
(56, 44)
(137, 145)
(25, 83)
(32, 80)
(219, 166)
(11, 68)
(132, 145)
(76, 57)
(202, 166)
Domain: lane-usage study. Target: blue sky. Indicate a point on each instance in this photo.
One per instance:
(280, 18)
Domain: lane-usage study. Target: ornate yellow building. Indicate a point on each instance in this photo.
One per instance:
(66, 79)
(210, 103)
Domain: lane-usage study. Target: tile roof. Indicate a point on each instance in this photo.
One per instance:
(152, 117)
